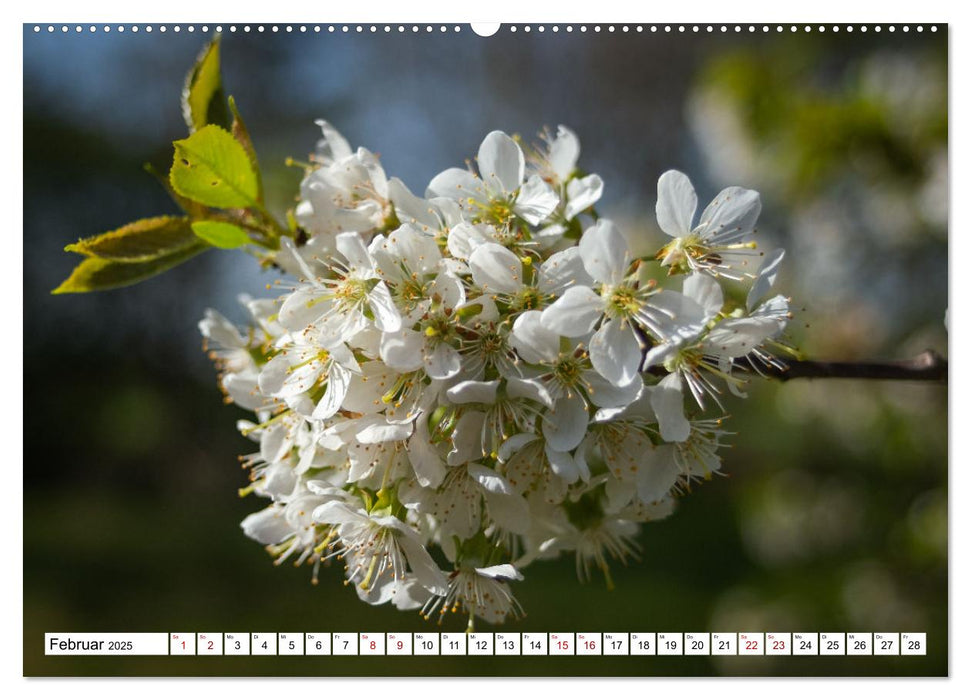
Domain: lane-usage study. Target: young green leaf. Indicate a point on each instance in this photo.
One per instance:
(96, 274)
(221, 234)
(193, 209)
(241, 134)
(212, 168)
(139, 241)
(203, 100)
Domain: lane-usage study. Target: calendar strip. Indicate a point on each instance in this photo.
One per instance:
(487, 644)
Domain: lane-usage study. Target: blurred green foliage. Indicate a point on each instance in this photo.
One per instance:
(812, 109)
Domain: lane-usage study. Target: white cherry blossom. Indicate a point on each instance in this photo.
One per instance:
(617, 305)
(718, 243)
(499, 190)
(458, 385)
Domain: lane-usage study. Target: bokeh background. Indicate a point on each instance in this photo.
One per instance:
(834, 514)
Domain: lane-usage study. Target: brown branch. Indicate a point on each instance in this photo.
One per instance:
(927, 366)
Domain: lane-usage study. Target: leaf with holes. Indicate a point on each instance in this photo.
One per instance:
(212, 168)
(139, 241)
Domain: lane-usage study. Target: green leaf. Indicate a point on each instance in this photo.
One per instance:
(139, 241)
(241, 134)
(193, 209)
(212, 168)
(203, 100)
(96, 274)
(221, 234)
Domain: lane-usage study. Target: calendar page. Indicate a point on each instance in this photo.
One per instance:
(525, 349)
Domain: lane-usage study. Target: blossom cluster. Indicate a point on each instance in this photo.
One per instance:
(463, 383)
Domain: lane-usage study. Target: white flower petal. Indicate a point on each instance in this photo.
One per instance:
(564, 153)
(352, 247)
(615, 352)
(379, 181)
(450, 210)
(768, 271)
(276, 441)
(667, 400)
(563, 465)
(736, 337)
(676, 203)
(604, 394)
(273, 375)
(456, 184)
(380, 431)
(422, 564)
(385, 256)
(338, 513)
(514, 444)
(402, 350)
(410, 208)
(338, 328)
(580, 457)
(268, 526)
(386, 316)
(661, 353)
(776, 308)
(532, 389)
(322, 488)
(619, 493)
(245, 391)
(383, 592)
(467, 439)
(536, 200)
(550, 236)
(301, 376)
(332, 146)
(418, 251)
(506, 507)
(562, 270)
(301, 308)
(501, 162)
(501, 571)
(534, 342)
(657, 474)
(625, 451)
(496, 269)
(731, 214)
(566, 423)
(676, 316)
(449, 288)
(365, 390)
(219, 330)
(464, 237)
(337, 382)
(581, 194)
(473, 392)
(301, 404)
(706, 292)
(425, 460)
(410, 594)
(300, 262)
(575, 313)
(605, 253)
(443, 362)
(488, 312)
